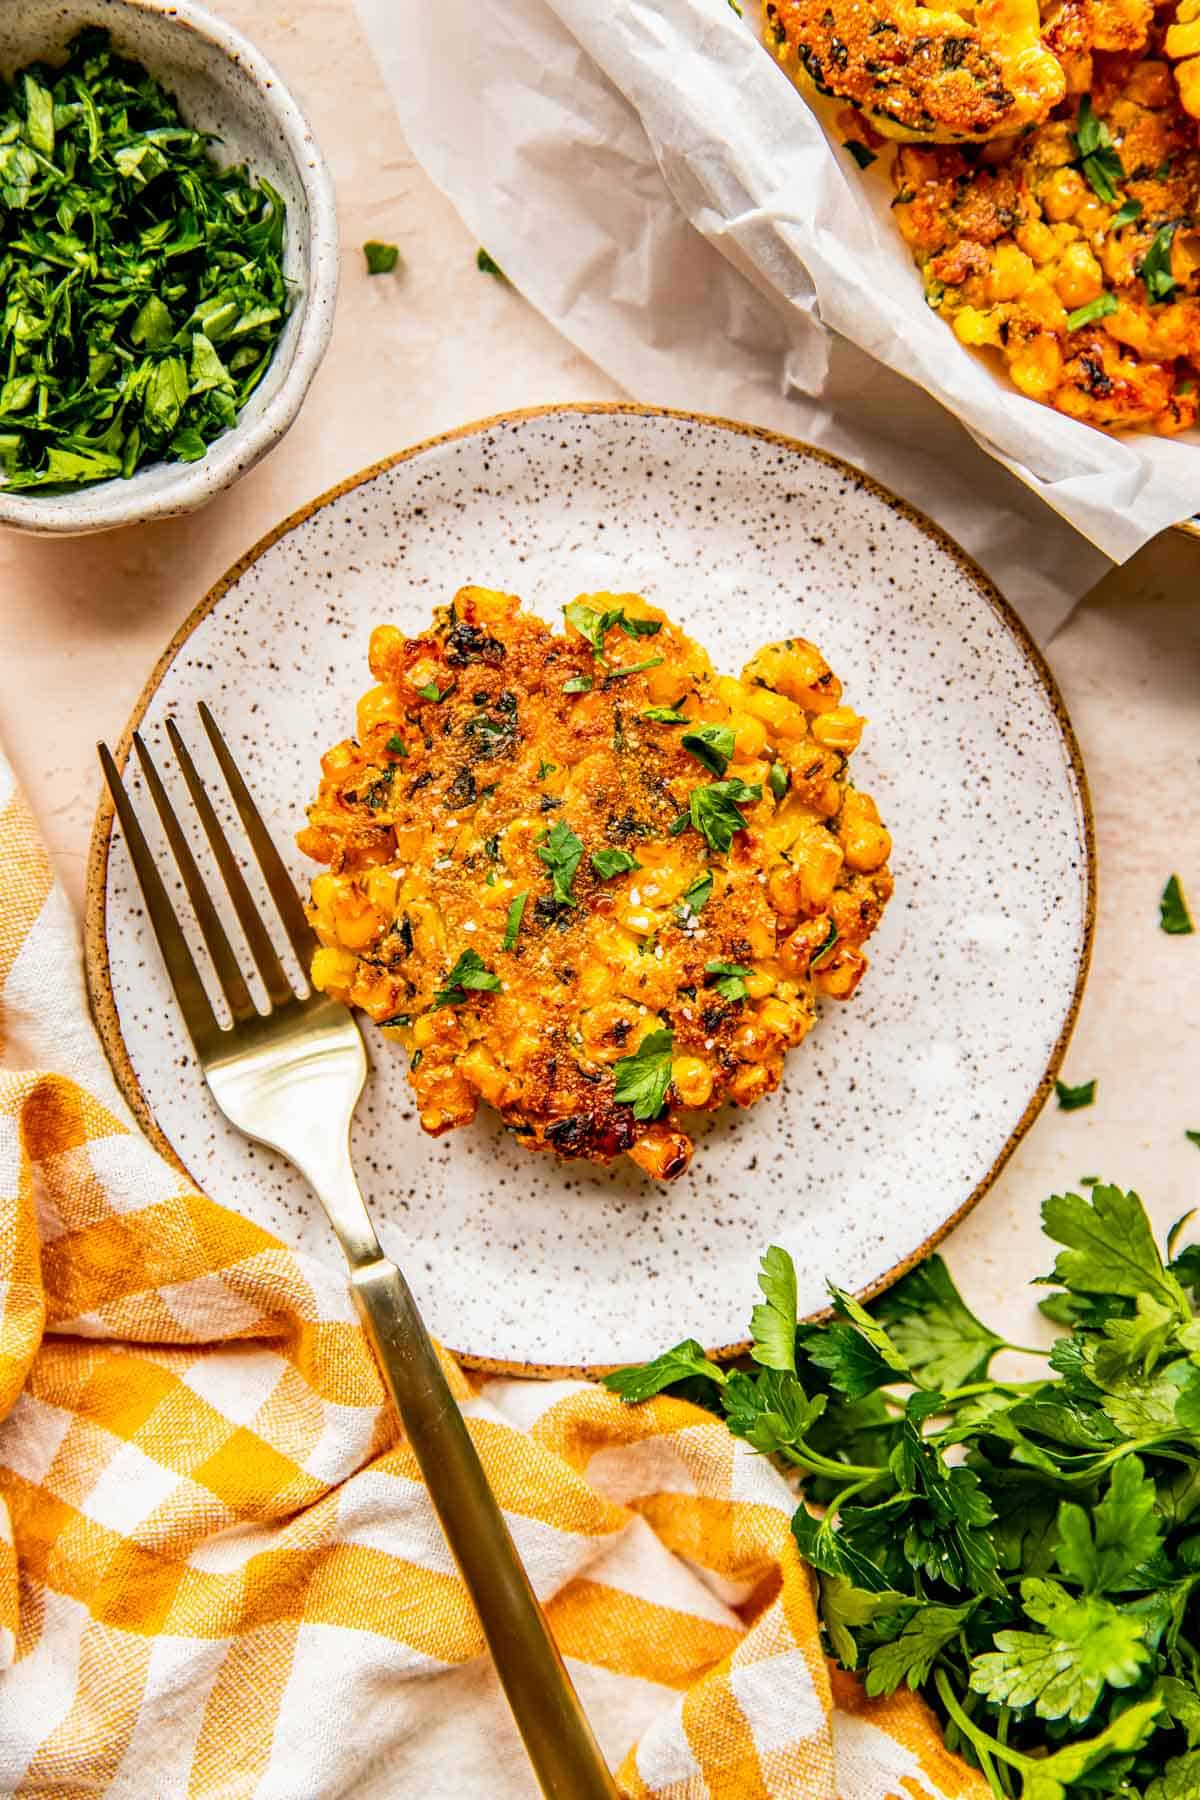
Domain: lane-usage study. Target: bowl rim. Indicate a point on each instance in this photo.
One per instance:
(239, 448)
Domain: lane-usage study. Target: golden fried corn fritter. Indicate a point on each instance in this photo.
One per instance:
(1072, 251)
(1182, 45)
(585, 878)
(938, 74)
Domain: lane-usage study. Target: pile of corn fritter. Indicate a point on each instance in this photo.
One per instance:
(587, 880)
(1047, 185)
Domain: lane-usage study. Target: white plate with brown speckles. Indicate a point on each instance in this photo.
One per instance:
(902, 1106)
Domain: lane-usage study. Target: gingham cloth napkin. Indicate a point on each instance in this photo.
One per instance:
(219, 1575)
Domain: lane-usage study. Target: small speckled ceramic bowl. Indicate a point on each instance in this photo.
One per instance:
(223, 86)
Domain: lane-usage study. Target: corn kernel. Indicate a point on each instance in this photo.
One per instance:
(692, 1080)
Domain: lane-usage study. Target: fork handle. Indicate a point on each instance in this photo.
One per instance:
(558, 1739)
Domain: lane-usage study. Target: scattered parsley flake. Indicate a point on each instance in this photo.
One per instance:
(516, 912)
(561, 851)
(711, 745)
(859, 151)
(396, 745)
(666, 715)
(1156, 265)
(714, 810)
(431, 691)
(823, 949)
(1128, 211)
(728, 979)
(608, 863)
(1173, 915)
(1070, 1099)
(699, 893)
(651, 662)
(1102, 167)
(487, 265)
(1102, 307)
(381, 258)
(642, 1079)
(779, 780)
(468, 975)
(578, 684)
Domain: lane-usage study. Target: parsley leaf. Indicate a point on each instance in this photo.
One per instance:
(1101, 1550)
(772, 1413)
(396, 745)
(714, 810)
(618, 674)
(773, 1322)
(487, 265)
(728, 979)
(699, 893)
(516, 913)
(578, 684)
(1125, 215)
(1110, 1247)
(1070, 1099)
(642, 1079)
(1062, 1671)
(432, 692)
(590, 624)
(1102, 307)
(469, 974)
(910, 1656)
(1156, 265)
(561, 852)
(645, 1380)
(1102, 166)
(935, 1332)
(666, 715)
(608, 863)
(859, 151)
(381, 258)
(1174, 917)
(711, 745)
(779, 780)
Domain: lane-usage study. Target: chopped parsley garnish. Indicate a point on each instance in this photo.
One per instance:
(143, 283)
(679, 824)
(1101, 164)
(779, 780)
(608, 863)
(822, 950)
(396, 1019)
(468, 975)
(714, 810)
(381, 258)
(578, 684)
(515, 914)
(397, 745)
(1102, 307)
(487, 265)
(1193, 1137)
(699, 894)
(859, 151)
(1156, 265)
(544, 769)
(595, 626)
(651, 662)
(729, 979)
(1128, 211)
(561, 852)
(642, 1079)
(711, 745)
(666, 715)
(1070, 1099)
(431, 691)
(1173, 915)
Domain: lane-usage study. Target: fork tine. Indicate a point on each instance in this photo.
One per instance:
(184, 977)
(279, 882)
(261, 948)
(233, 982)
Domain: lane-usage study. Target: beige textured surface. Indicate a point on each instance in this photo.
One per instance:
(81, 623)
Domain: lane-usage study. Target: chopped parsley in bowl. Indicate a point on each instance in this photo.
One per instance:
(165, 304)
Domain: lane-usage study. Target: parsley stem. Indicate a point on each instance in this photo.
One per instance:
(839, 1500)
(816, 1464)
(984, 1744)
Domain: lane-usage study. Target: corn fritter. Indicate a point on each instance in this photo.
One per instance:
(586, 879)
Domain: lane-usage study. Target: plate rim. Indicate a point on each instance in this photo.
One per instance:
(98, 974)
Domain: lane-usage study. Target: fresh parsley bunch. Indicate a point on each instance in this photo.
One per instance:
(1026, 1552)
(143, 284)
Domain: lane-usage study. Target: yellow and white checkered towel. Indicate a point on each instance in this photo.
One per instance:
(219, 1575)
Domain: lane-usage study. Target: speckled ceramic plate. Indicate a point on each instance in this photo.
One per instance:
(901, 1107)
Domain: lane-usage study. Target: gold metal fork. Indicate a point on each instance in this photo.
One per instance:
(291, 1078)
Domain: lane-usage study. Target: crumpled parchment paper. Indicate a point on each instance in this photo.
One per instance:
(653, 183)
